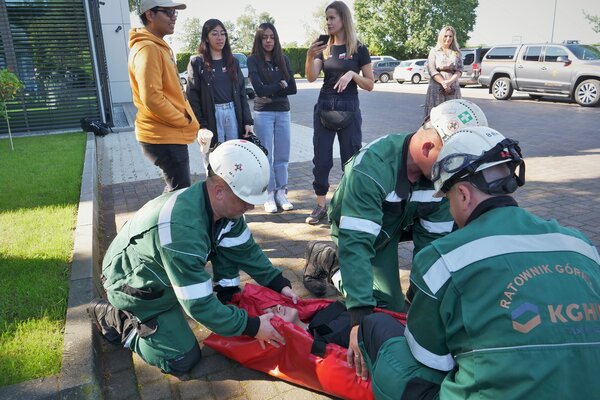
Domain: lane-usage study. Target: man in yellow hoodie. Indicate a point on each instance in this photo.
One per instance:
(165, 123)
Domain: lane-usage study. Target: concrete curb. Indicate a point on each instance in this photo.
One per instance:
(80, 376)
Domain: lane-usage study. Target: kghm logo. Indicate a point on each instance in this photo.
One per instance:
(526, 317)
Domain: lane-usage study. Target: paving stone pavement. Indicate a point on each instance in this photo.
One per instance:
(128, 181)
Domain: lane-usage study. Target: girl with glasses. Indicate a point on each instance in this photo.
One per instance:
(273, 80)
(216, 87)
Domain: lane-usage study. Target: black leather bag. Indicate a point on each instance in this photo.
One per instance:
(336, 120)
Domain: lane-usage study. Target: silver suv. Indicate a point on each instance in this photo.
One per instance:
(569, 70)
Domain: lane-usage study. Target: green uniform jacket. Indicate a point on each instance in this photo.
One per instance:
(374, 202)
(158, 260)
(510, 304)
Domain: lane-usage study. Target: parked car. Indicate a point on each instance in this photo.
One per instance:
(411, 70)
(383, 70)
(382, 58)
(571, 70)
(471, 65)
(243, 60)
(183, 77)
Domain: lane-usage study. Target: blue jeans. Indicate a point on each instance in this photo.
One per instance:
(273, 128)
(227, 126)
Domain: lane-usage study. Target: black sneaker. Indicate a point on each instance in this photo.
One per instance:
(100, 312)
(317, 215)
(320, 261)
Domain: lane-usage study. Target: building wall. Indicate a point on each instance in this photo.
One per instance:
(115, 30)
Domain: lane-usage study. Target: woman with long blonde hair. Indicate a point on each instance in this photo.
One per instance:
(347, 65)
(445, 67)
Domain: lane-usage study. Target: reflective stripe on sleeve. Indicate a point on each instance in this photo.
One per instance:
(424, 356)
(424, 196)
(437, 227)
(492, 246)
(229, 282)
(360, 224)
(164, 219)
(195, 291)
(237, 240)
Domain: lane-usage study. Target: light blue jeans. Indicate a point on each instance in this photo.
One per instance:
(273, 128)
(227, 126)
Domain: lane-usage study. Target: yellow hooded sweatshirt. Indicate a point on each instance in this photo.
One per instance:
(164, 115)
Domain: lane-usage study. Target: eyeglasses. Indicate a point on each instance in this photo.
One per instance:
(170, 12)
(217, 34)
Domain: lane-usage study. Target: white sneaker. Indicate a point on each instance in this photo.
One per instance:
(270, 205)
(282, 200)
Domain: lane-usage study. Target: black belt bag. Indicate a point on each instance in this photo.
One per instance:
(336, 120)
(332, 118)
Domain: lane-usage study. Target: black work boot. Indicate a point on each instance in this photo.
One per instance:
(107, 319)
(320, 259)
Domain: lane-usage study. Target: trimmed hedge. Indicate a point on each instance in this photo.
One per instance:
(297, 56)
(183, 60)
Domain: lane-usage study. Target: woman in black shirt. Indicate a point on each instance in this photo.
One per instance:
(342, 59)
(273, 80)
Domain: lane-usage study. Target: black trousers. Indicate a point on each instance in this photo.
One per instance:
(349, 138)
(174, 162)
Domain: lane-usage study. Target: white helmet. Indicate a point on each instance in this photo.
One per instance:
(244, 167)
(468, 152)
(452, 115)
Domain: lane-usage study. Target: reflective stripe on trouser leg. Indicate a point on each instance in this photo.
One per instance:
(172, 341)
(336, 279)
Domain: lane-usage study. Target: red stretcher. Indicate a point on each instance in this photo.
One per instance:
(293, 362)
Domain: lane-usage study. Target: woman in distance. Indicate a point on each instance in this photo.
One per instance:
(342, 58)
(216, 87)
(445, 67)
(273, 80)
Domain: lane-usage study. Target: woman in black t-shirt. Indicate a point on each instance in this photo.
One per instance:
(342, 59)
(216, 89)
(273, 80)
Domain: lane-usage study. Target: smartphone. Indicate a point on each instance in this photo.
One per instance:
(323, 38)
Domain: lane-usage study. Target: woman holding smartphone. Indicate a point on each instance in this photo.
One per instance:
(216, 88)
(272, 78)
(342, 59)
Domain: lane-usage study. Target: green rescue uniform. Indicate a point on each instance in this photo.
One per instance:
(155, 270)
(374, 208)
(509, 305)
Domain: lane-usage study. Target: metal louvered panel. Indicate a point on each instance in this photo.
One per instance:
(46, 44)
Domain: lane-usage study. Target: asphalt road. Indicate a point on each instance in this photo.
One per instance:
(564, 127)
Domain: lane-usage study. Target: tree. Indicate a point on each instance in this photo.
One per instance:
(409, 28)
(245, 28)
(594, 20)
(190, 35)
(10, 85)
(318, 25)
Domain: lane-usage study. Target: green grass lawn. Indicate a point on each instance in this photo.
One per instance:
(40, 183)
